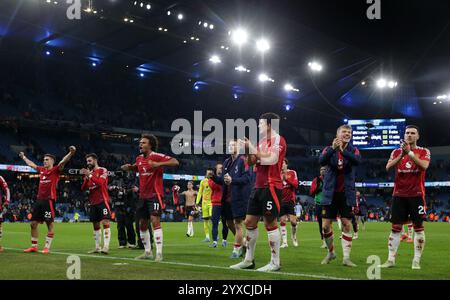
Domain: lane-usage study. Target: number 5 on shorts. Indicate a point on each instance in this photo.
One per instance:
(269, 205)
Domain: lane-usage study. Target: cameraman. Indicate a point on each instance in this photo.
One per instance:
(124, 208)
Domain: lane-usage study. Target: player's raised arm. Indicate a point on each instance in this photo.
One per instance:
(199, 194)
(422, 161)
(66, 158)
(5, 189)
(129, 168)
(172, 162)
(394, 159)
(27, 161)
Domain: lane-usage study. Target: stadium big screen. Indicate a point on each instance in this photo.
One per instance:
(377, 134)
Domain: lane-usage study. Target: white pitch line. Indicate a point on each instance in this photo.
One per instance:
(192, 265)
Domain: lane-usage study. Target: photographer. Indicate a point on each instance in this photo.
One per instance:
(124, 208)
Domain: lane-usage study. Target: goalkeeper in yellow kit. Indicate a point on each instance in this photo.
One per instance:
(204, 195)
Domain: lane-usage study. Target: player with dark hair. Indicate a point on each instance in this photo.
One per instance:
(339, 195)
(190, 195)
(150, 166)
(5, 197)
(43, 209)
(408, 202)
(96, 182)
(316, 192)
(287, 212)
(267, 193)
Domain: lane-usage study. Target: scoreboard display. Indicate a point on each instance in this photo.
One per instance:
(377, 134)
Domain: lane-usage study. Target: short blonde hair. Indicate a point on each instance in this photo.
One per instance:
(344, 126)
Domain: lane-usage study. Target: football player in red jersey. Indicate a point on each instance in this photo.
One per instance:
(149, 164)
(290, 184)
(43, 209)
(4, 202)
(96, 182)
(266, 195)
(408, 202)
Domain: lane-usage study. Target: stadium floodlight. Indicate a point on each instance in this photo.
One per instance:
(211, 26)
(215, 59)
(381, 83)
(363, 83)
(141, 75)
(289, 88)
(392, 84)
(239, 36)
(442, 97)
(169, 12)
(141, 4)
(315, 66)
(241, 68)
(148, 6)
(287, 107)
(94, 64)
(47, 53)
(180, 17)
(263, 77)
(262, 45)
(205, 25)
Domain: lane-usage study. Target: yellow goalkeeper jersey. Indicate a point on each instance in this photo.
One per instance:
(204, 193)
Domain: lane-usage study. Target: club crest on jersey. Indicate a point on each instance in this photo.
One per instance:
(408, 165)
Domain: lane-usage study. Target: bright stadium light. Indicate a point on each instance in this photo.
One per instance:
(315, 66)
(205, 25)
(392, 84)
(289, 88)
(263, 77)
(288, 107)
(215, 59)
(241, 68)
(442, 97)
(381, 83)
(211, 26)
(169, 12)
(239, 36)
(148, 6)
(180, 17)
(262, 45)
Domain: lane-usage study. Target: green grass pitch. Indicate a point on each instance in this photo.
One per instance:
(190, 258)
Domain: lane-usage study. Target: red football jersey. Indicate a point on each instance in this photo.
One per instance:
(97, 186)
(409, 178)
(150, 179)
(289, 186)
(216, 194)
(270, 175)
(48, 181)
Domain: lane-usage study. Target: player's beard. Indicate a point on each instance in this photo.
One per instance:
(90, 167)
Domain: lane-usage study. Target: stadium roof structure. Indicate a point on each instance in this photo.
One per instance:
(410, 44)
